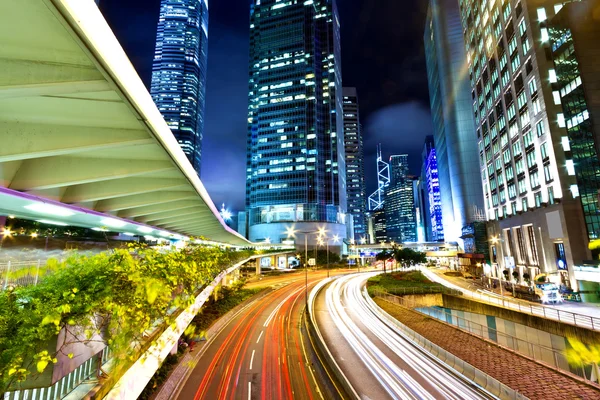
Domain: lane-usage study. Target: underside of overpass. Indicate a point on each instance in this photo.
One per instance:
(79, 128)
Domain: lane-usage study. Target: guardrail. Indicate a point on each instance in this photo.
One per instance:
(482, 379)
(320, 341)
(567, 317)
(424, 290)
(543, 354)
(20, 273)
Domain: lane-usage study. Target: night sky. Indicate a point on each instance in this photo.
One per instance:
(382, 55)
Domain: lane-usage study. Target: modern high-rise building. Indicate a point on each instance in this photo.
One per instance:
(399, 207)
(528, 167)
(179, 72)
(575, 44)
(355, 175)
(453, 123)
(432, 184)
(296, 173)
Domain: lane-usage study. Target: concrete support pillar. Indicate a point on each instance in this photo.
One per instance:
(2, 222)
(258, 271)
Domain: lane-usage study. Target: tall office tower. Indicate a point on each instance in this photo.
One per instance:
(421, 214)
(295, 162)
(179, 72)
(527, 165)
(434, 201)
(355, 174)
(574, 40)
(399, 208)
(453, 123)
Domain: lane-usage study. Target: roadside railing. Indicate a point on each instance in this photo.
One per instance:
(423, 290)
(20, 273)
(537, 352)
(482, 379)
(567, 317)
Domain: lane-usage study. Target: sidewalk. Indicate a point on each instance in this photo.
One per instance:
(590, 309)
(586, 315)
(528, 377)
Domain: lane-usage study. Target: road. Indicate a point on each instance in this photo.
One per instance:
(584, 315)
(263, 353)
(375, 357)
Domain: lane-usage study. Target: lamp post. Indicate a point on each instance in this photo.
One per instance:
(290, 232)
(325, 240)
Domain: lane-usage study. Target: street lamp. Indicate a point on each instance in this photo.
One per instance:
(325, 240)
(290, 232)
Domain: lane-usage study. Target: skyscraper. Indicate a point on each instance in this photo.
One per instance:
(453, 123)
(574, 32)
(527, 166)
(399, 207)
(179, 72)
(355, 175)
(432, 184)
(295, 161)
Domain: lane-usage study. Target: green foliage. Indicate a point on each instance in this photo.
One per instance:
(114, 297)
(408, 256)
(400, 280)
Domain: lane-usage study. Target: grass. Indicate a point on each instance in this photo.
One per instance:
(401, 280)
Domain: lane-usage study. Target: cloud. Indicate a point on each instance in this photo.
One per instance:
(401, 129)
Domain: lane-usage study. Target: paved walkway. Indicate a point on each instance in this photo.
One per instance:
(585, 315)
(522, 374)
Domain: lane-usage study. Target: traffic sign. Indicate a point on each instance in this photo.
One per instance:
(312, 262)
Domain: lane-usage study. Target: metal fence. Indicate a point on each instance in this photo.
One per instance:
(567, 317)
(538, 352)
(20, 273)
(484, 380)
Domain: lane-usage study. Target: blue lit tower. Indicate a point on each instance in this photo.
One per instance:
(434, 201)
(355, 175)
(295, 160)
(179, 72)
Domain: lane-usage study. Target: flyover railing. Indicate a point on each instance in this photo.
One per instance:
(540, 353)
(567, 317)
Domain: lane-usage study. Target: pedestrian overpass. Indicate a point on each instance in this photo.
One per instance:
(81, 141)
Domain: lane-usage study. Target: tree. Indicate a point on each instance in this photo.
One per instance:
(515, 275)
(579, 354)
(406, 256)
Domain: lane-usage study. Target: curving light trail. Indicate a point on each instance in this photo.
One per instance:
(346, 301)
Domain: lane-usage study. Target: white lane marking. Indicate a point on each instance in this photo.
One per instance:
(249, 390)
(252, 358)
(259, 336)
(276, 309)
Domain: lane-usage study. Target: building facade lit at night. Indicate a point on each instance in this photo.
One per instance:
(433, 191)
(355, 175)
(454, 132)
(179, 72)
(400, 218)
(295, 159)
(530, 186)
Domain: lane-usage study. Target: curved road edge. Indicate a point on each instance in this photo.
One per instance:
(463, 369)
(321, 346)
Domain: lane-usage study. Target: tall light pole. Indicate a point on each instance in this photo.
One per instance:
(290, 232)
(336, 239)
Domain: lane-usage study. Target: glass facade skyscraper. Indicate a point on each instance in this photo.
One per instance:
(455, 137)
(355, 175)
(527, 163)
(179, 72)
(295, 160)
(400, 218)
